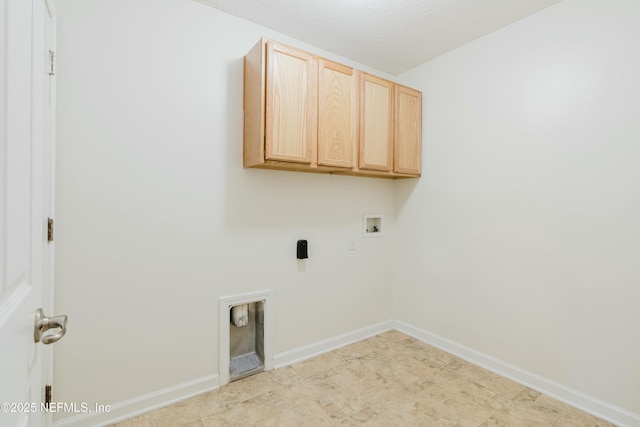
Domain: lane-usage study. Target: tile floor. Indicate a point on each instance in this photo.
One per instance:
(387, 380)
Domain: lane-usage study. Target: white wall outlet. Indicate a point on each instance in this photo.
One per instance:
(353, 244)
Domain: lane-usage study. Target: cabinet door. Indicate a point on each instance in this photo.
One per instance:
(291, 98)
(408, 132)
(376, 123)
(337, 114)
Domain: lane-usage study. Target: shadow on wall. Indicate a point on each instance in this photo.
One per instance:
(404, 188)
(259, 198)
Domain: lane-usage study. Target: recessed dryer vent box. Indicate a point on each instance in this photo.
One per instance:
(373, 225)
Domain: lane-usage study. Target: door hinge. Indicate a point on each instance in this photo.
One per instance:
(50, 229)
(52, 63)
(47, 396)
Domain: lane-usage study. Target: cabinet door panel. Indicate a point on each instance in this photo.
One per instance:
(337, 114)
(408, 132)
(291, 115)
(376, 129)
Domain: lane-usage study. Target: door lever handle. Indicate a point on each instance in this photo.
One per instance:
(44, 323)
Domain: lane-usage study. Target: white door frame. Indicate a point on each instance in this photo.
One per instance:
(49, 116)
(27, 159)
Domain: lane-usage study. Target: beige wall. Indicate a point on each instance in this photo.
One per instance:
(156, 218)
(521, 239)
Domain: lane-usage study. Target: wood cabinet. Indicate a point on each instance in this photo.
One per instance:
(376, 124)
(290, 105)
(407, 130)
(337, 114)
(306, 113)
(390, 127)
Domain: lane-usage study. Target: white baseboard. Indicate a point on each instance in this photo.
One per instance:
(149, 402)
(141, 404)
(305, 352)
(158, 399)
(614, 414)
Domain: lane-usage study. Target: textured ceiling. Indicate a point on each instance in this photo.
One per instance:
(389, 35)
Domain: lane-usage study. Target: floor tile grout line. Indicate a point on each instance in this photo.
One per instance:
(564, 411)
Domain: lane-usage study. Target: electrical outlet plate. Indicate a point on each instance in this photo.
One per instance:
(353, 244)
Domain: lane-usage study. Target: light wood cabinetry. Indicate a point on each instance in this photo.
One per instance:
(376, 124)
(337, 114)
(390, 127)
(306, 113)
(291, 114)
(407, 131)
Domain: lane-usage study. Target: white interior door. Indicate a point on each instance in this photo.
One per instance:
(27, 94)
